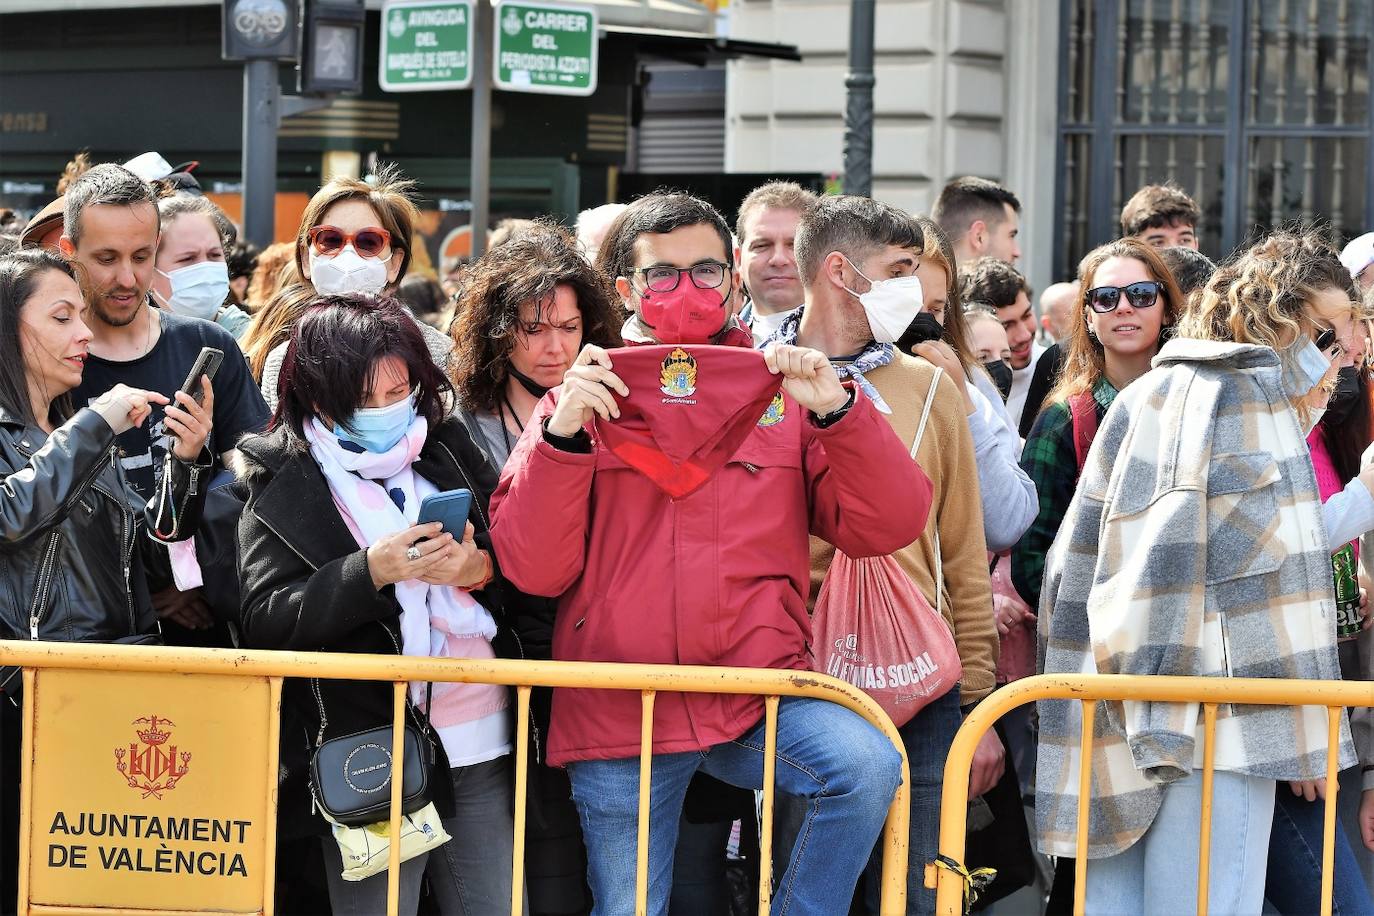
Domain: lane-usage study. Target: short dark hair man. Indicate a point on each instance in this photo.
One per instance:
(716, 575)
(111, 228)
(999, 284)
(981, 218)
(766, 228)
(1161, 216)
(846, 248)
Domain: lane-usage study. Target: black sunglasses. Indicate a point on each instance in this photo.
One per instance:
(1142, 295)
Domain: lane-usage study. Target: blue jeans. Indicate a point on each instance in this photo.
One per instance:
(1295, 861)
(1158, 873)
(927, 737)
(843, 766)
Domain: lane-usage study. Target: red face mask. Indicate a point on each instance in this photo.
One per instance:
(685, 315)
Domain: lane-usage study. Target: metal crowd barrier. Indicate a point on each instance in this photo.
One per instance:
(952, 883)
(648, 680)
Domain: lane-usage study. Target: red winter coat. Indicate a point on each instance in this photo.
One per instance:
(719, 577)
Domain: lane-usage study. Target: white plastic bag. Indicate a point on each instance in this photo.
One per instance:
(366, 851)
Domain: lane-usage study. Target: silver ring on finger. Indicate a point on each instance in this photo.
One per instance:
(413, 553)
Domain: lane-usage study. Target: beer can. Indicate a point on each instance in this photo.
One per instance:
(1348, 619)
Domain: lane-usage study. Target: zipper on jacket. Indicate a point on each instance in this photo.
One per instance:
(750, 468)
(46, 566)
(86, 482)
(126, 546)
(40, 592)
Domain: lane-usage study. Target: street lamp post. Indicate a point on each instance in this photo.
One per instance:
(858, 114)
(261, 33)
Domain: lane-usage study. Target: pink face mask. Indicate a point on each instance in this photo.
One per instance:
(685, 315)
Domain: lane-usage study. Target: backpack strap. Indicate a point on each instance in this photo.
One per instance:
(925, 411)
(1083, 410)
(915, 446)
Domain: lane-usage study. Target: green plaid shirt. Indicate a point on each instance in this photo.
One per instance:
(1051, 463)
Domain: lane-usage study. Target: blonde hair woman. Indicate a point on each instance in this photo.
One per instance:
(1195, 546)
(355, 237)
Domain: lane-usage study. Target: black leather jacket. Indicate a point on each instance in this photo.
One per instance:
(74, 538)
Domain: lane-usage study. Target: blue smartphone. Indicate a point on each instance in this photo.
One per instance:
(450, 508)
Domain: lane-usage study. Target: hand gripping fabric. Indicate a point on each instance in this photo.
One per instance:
(690, 406)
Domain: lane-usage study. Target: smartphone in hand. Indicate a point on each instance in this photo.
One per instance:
(450, 508)
(206, 364)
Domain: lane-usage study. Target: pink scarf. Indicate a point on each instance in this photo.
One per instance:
(378, 495)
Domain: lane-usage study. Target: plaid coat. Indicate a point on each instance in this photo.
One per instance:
(1194, 546)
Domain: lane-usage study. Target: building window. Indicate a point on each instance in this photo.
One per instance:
(1260, 109)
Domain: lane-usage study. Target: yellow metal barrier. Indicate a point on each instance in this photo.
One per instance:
(41, 657)
(951, 884)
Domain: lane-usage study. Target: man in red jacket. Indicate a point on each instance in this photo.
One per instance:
(711, 569)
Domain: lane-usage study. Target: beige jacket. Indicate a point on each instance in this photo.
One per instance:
(946, 455)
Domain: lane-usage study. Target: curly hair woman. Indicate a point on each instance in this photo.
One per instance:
(527, 308)
(1196, 546)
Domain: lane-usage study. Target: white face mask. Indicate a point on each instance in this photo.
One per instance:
(346, 272)
(889, 304)
(198, 290)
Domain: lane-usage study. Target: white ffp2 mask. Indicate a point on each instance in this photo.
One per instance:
(346, 272)
(889, 304)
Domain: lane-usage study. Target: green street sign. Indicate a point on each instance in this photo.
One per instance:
(426, 45)
(545, 47)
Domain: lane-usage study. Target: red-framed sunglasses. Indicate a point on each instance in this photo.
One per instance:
(369, 242)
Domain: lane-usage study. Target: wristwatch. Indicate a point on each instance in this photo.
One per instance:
(830, 419)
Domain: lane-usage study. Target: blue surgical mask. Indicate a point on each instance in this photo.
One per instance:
(378, 429)
(1304, 366)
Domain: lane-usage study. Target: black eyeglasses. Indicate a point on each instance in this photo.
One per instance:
(1142, 295)
(663, 279)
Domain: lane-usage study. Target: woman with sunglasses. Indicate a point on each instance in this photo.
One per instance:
(1336, 443)
(1131, 298)
(355, 238)
(1196, 546)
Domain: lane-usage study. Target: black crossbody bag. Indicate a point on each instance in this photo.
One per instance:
(350, 776)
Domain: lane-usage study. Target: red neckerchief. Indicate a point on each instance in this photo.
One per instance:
(690, 406)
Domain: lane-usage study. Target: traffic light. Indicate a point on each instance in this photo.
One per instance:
(331, 47)
(259, 30)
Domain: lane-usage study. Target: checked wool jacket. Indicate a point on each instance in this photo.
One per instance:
(1194, 546)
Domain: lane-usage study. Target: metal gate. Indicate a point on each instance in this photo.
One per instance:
(1260, 109)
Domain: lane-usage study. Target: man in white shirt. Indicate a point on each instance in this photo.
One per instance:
(1000, 285)
(766, 228)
